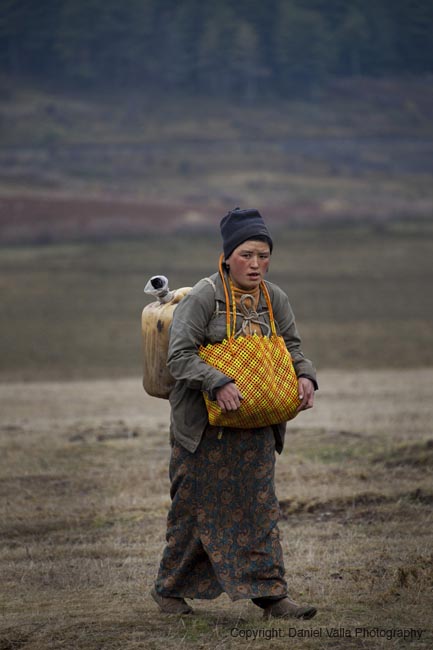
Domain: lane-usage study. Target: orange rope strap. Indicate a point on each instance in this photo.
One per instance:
(226, 293)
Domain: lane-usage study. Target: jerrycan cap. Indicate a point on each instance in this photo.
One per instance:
(158, 286)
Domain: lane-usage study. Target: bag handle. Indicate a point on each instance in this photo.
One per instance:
(263, 287)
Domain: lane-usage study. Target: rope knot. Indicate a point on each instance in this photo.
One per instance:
(250, 316)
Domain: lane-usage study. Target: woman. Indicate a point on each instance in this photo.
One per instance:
(222, 532)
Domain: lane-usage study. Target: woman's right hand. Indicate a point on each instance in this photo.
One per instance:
(228, 397)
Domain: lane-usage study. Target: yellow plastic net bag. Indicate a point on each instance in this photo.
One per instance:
(263, 371)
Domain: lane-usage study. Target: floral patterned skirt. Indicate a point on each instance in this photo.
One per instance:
(222, 532)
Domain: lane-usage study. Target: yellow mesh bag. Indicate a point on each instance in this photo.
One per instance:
(263, 371)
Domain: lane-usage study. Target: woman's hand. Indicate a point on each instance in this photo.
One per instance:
(228, 397)
(306, 394)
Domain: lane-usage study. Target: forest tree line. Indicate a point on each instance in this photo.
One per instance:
(226, 48)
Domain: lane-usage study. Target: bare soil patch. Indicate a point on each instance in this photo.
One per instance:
(49, 218)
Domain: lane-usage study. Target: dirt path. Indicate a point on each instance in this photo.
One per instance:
(365, 401)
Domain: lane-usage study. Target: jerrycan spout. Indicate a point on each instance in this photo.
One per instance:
(158, 287)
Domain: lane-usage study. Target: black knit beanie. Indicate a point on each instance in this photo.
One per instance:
(239, 226)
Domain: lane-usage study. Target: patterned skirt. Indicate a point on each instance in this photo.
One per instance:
(222, 532)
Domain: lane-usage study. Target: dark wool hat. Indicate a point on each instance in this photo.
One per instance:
(239, 225)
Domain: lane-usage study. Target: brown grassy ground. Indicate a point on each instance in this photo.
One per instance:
(84, 496)
(362, 297)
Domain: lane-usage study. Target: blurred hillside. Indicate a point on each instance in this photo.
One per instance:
(345, 183)
(159, 115)
(95, 166)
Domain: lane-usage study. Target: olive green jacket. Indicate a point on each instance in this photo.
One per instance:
(199, 319)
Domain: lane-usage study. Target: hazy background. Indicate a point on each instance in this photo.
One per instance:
(128, 130)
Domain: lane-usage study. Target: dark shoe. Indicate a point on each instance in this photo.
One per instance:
(170, 605)
(286, 608)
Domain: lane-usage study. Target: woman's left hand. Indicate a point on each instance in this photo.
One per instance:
(306, 394)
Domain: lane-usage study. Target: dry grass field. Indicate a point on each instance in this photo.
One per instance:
(84, 496)
(362, 297)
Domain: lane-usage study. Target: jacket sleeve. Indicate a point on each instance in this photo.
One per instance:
(187, 333)
(285, 319)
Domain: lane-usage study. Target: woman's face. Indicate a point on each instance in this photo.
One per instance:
(249, 263)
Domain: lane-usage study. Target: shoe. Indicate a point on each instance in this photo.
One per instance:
(170, 605)
(286, 608)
